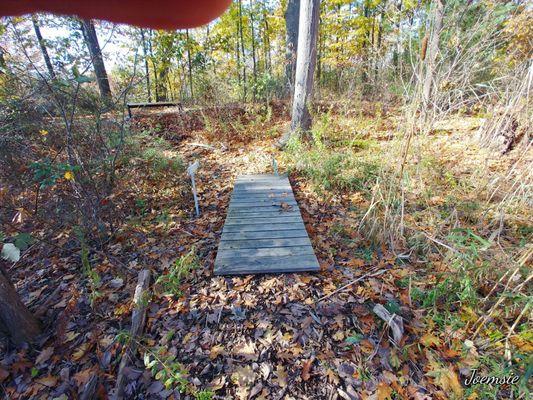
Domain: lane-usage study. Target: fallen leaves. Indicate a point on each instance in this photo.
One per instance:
(253, 336)
(48, 381)
(44, 355)
(384, 391)
(281, 376)
(306, 369)
(246, 350)
(216, 351)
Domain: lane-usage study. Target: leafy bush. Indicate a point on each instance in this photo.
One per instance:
(170, 283)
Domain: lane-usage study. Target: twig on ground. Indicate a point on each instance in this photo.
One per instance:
(369, 275)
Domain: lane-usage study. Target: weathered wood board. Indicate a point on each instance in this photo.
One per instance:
(264, 231)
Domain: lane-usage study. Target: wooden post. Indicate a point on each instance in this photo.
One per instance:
(191, 171)
(275, 166)
(138, 319)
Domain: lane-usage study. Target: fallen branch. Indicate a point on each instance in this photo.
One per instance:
(138, 319)
(205, 146)
(394, 321)
(369, 275)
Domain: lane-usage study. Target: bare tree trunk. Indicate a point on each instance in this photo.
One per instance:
(3, 64)
(431, 56)
(161, 83)
(397, 47)
(241, 35)
(15, 317)
(266, 39)
(42, 46)
(89, 34)
(189, 63)
(146, 68)
(305, 68)
(254, 61)
(238, 56)
(154, 64)
(292, 15)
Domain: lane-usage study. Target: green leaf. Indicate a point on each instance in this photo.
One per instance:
(168, 383)
(354, 339)
(392, 307)
(23, 240)
(83, 79)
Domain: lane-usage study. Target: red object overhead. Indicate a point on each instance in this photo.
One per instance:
(158, 14)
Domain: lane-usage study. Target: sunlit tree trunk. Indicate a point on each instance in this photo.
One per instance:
(305, 68)
(154, 65)
(292, 16)
(161, 82)
(238, 56)
(254, 61)
(241, 36)
(189, 63)
(397, 48)
(266, 38)
(379, 42)
(146, 68)
(3, 64)
(42, 46)
(91, 39)
(431, 54)
(15, 318)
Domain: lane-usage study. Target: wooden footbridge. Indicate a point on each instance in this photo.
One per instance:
(264, 231)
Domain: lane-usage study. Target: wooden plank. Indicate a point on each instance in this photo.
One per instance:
(261, 192)
(259, 226)
(239, 266)
(263, 243)
(274, 196)
(265, 252)
(284, 234)
(261, 200)
(269, 220)
(264, 206)
(259, 188)
(252, 177)
(256, 213)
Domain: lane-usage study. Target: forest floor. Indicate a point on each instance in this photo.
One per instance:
(292, 336)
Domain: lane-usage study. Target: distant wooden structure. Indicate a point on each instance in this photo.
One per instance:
(153, 105)
(264, 231)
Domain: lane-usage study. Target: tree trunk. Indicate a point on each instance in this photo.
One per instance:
(189, 63)
(3, 64)
(42, 46)
(146, 68)
(431, 54)
(161, 83)
(379, 41)
(266, 39)
(305, 68)
(397, 47)
(241, 35)
(254, 61)
(15, 317)
(89, 34)
(292, 15)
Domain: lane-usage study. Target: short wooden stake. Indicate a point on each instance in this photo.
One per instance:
(191, 170)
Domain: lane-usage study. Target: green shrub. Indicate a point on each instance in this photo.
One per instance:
(170, 283)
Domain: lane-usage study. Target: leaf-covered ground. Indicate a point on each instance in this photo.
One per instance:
(294, 336)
